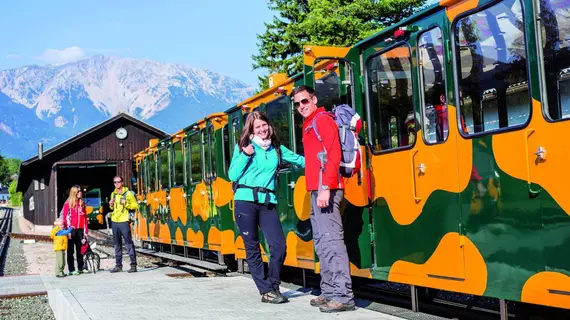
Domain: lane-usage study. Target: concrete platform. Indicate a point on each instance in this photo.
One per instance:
(152, 294)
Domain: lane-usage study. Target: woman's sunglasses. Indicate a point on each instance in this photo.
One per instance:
(303, 102)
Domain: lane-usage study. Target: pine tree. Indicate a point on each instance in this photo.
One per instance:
(321, 22)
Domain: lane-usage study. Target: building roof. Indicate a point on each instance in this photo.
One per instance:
(93, 129)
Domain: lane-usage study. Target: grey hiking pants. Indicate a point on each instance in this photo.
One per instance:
(328, 236)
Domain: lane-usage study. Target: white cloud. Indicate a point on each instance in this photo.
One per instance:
(55, 56)
(103, 51)
(13, 56)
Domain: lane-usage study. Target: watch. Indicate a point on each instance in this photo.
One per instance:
(324, 187)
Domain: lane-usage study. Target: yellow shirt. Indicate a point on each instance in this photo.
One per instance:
(120, 211)
(59, 242)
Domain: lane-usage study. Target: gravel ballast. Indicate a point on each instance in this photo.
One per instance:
(26, 307)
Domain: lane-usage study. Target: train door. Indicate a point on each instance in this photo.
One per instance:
(210, 174)
(332, 72)
(300, 252)
(196, 206)
(547, 151)
(235, 129)
(414, 166)
(177, 195)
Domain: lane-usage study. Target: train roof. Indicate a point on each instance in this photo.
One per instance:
(390, 30)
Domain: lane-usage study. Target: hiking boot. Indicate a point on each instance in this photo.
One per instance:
(318, 301)
(116, 269)
(335, 306)
(274, 297)
(132, 269)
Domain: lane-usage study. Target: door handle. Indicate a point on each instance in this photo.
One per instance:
(531, 193)
(290, 193)
(414, 193)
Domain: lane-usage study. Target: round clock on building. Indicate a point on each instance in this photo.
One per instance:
(121, 133)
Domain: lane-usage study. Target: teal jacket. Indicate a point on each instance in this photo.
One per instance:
(260, 172)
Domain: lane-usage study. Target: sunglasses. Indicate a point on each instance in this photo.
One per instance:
(115, 182)
(305, 101)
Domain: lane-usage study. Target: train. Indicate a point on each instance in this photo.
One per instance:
(465, 107)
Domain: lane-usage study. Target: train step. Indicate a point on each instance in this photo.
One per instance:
(191, 261)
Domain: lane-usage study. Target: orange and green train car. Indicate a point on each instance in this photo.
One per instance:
(465, 107)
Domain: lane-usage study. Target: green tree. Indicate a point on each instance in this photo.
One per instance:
(15, 197)
(4, 172)
(8, 167)
(321, 22)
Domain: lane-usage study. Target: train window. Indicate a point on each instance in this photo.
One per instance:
(212, 150)
(327, 90)
(435, 123)
(278, 113)
(142, 174)
(390, 99)
(152, 172)
(491, 57)
(555, 36)
(227, 156)
(196, 161)
(298, 132)
(164, 158)
(235, 135)
(178, 165)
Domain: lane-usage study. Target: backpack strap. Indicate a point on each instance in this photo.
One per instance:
(235, 183)
(314, 125)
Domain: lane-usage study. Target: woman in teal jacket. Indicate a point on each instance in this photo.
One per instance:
(254, 169)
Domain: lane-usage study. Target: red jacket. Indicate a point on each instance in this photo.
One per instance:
(75, 217)
(328, 131)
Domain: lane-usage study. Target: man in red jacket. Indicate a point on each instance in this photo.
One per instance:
(322, 164)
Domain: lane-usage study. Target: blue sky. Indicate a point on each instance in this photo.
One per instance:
(219, 35)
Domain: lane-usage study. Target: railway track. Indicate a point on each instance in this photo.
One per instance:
(5, 230)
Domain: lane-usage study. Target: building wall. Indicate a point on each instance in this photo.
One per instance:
(101, 145)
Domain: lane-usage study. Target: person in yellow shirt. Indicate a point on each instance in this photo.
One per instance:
(122, 203)
(59, 236)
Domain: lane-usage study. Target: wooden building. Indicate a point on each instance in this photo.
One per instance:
(90, 159)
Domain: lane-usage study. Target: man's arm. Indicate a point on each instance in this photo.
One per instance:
(328, 131)
(131, 201)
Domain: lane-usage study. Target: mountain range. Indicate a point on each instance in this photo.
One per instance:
(49, 104)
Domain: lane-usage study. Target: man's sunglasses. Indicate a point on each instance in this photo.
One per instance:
(304, 102)
(115, 182)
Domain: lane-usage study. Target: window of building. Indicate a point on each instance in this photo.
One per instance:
(36, 185)
(278, 113)
(491, 57)
(178, 164)
(196, 161)
(435, 120)
(42, 184)
(555, 38)
(392, 118)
